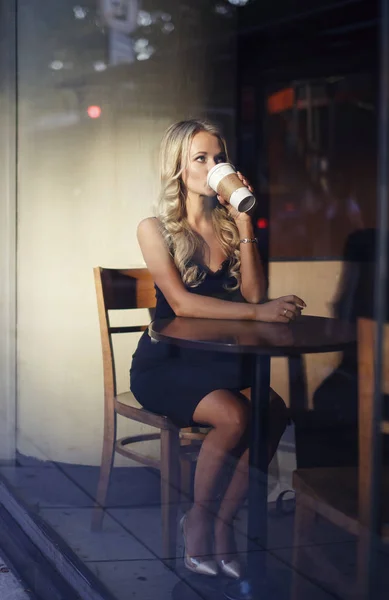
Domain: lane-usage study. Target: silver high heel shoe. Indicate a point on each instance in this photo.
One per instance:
(200, 567)
(231, 568)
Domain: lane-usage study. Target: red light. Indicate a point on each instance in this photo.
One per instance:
(94, 112)
(262, 223)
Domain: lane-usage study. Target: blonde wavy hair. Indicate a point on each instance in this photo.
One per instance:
(170, 210)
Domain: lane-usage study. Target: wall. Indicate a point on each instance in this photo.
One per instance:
(316, 282)
(84, 184)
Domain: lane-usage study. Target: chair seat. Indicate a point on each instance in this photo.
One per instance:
(128, 399)
(127, 405)
(333, 492)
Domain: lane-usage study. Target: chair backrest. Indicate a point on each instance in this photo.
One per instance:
(120, 289)
(367, 331)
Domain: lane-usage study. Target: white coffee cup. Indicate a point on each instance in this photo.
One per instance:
(223, 179)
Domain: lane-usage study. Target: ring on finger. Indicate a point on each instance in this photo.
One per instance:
(285, 311)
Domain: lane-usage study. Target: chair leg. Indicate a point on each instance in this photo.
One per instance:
(304, 519)
(107, 459)
(170, 482)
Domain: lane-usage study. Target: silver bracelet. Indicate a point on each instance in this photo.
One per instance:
(249, 241)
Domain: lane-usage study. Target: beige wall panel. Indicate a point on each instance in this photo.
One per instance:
(316, 283)
(83, 186)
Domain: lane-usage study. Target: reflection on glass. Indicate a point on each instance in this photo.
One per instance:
(98, 84)
(322, 161)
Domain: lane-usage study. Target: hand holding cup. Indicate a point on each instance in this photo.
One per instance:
(231, 186)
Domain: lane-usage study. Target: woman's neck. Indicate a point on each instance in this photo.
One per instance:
(199, 211)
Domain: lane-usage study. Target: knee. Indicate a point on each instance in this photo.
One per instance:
(235, 420)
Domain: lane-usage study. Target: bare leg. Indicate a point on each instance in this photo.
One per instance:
(238, 487)
(228, 414)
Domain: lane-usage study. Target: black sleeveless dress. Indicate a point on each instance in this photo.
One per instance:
(171, 381)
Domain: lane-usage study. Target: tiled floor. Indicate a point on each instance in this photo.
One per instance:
(127, 554)
(129, 487)
(45, 487)
(141, 579)
(112, 543)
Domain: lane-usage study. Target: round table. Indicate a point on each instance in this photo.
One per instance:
(305, 335)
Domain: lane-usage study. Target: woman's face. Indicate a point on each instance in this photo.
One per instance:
(205, 152)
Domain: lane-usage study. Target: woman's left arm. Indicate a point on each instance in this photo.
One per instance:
(253, 284)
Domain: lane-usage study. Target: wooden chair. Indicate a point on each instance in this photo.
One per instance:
(344, 496)
(117, 290)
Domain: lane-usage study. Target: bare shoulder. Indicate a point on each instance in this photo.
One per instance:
(152, 242)
(149, 233)
(150, 224)
(159, 260)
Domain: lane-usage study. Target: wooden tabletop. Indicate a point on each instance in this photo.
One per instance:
(305, 335)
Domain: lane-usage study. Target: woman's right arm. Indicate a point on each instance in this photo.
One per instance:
(184, 304)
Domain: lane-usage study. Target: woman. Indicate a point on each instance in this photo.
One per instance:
(205, 263)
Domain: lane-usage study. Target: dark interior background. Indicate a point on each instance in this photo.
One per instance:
(308, 122)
